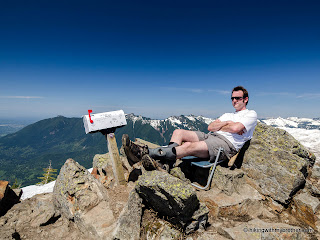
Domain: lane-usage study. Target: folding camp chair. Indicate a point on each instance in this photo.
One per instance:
(206, 164)
(212, 165)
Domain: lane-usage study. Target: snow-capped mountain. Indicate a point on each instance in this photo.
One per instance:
(189, 121)
(164, 128)
(305, 130)
(294, 122)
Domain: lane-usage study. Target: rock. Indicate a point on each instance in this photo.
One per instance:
(313, 188)
(198, 220)
(258, 229)
(103, 171)
(176, 172)
(101, 161)
(315, 171)
(161, 230)
(8, 197)
(128, 224)
(36, 218)
(229, 181)
(210, 236)
(36, 211)
(169, 196)
(275, 206)
(18, 192)
(243, 205)
(83, 199)
(153, 227)
(3, 188)
(276, 162)
(304, 208)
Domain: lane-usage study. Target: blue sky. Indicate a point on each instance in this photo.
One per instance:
(158, 58)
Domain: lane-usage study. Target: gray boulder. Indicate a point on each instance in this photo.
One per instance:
(304, 207)
(228, 181)
(162, 230)
(172, 198)
(316, 171)
(277, 163)
(83, 199)
(36, 218)
(128, 224)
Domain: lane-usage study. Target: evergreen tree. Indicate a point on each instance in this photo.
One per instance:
(17, 184)
(49, 175)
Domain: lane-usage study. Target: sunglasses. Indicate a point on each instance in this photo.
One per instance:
(236, 98)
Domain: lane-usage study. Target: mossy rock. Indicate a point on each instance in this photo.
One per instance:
(168, 195)
(277, 163)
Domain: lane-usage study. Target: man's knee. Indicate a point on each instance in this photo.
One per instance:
(179, 132)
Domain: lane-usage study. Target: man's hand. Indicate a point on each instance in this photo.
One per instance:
(241, 132)
(216, 125)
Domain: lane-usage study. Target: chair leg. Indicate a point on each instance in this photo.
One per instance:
(210, 174)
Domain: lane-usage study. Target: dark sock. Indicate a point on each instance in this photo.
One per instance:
(173, 143)
(174, 151)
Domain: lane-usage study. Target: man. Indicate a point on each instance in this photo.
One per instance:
(230, 132)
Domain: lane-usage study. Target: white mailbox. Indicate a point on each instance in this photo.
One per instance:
(101, 121)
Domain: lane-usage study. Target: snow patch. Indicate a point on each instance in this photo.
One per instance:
(155, 123)
(191, 118)
(30, 191)
(281, 122)
(206, 120)
(174, 121)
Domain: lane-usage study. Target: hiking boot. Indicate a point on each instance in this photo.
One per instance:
(150, 164)
(133, 151)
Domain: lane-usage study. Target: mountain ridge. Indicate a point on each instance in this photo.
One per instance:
(25, 153)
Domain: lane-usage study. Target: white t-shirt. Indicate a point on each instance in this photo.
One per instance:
(248, 118)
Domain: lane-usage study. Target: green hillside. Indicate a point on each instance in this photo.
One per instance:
(25, 153)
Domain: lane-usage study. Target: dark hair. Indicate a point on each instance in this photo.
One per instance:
(245, 92)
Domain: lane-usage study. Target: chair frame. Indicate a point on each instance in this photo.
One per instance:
(208, 164)
(212, 166)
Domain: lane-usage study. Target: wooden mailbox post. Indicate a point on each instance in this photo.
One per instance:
(107, 123)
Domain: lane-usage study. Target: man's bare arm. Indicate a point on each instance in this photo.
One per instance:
(226, 126)
(216, 125)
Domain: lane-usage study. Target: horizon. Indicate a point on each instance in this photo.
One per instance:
(28, 121)
(158, 59)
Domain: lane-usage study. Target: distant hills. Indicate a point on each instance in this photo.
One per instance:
(24, 153)
(7, 128)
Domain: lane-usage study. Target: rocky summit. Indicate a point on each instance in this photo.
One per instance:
(272, 192)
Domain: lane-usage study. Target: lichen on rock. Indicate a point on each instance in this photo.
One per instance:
(277, 163)
(169, 196)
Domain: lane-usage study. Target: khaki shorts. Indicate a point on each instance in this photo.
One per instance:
(214, 141)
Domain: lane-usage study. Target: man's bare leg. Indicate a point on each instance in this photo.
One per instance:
(180, 135)
(197, 149)
(191, 147)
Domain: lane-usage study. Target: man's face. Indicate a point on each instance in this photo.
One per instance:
(238, 102)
